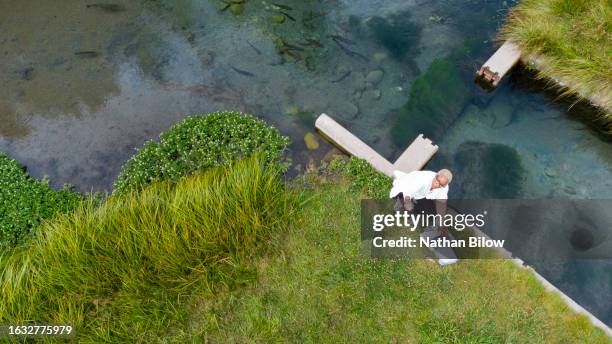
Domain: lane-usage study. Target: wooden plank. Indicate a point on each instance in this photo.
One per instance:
(420, 151)
(351, 144)
(499, 64)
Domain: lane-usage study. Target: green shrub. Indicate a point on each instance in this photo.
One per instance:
(197, 143)
(25, 202)
(119, 271)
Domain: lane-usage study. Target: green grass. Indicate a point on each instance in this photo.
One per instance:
(572, 38)
(318, 289)
(225, 256)
(122, 271)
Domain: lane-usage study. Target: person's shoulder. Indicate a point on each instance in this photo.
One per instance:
(399, 174)
(426, 173)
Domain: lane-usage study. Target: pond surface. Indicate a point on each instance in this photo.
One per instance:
(85, 83)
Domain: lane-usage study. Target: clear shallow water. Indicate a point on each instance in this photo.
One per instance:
(84, 86)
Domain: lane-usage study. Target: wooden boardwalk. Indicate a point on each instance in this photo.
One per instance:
(420, 151)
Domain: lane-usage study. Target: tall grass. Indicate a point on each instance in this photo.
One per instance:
(120, 270)
(570, 41)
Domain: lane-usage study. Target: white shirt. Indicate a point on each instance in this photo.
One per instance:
(417, 185)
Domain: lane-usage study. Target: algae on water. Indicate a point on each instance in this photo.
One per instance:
(436, 99)
(487, 170)
(396, 33)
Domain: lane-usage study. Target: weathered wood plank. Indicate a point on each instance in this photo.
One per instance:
(351, 144)
(499, 64)
(414, 158)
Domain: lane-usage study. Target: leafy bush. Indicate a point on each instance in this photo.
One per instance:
(26, 202)
(130, 263)
(197, 143)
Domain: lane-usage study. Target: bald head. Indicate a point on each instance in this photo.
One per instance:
(448, 175)
(442, 179)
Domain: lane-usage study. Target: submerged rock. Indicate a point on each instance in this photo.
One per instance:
(349, 110)
(375, 77)
(379, 57)
(236, 9)
(311, 141)
(278, 18)
(292, 110)
(375, 94)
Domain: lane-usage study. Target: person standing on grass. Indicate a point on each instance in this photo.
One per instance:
(430, 187)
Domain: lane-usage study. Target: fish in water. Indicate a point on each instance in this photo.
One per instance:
(254, 48)
(287, 15)
(340, 39)
(292, 54)
(288, 46)
(351, 53)
(111, 8)
(278, 6)
(312, 42)
(242, 72)
(88, 54)
(342, 77)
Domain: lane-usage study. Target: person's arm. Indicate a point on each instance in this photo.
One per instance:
(441, 209)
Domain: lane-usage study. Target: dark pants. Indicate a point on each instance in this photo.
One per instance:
(424, 205)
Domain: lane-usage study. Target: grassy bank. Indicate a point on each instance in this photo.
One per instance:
(236, 255)
(318, 288)
(121, 271)
(568, 40)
